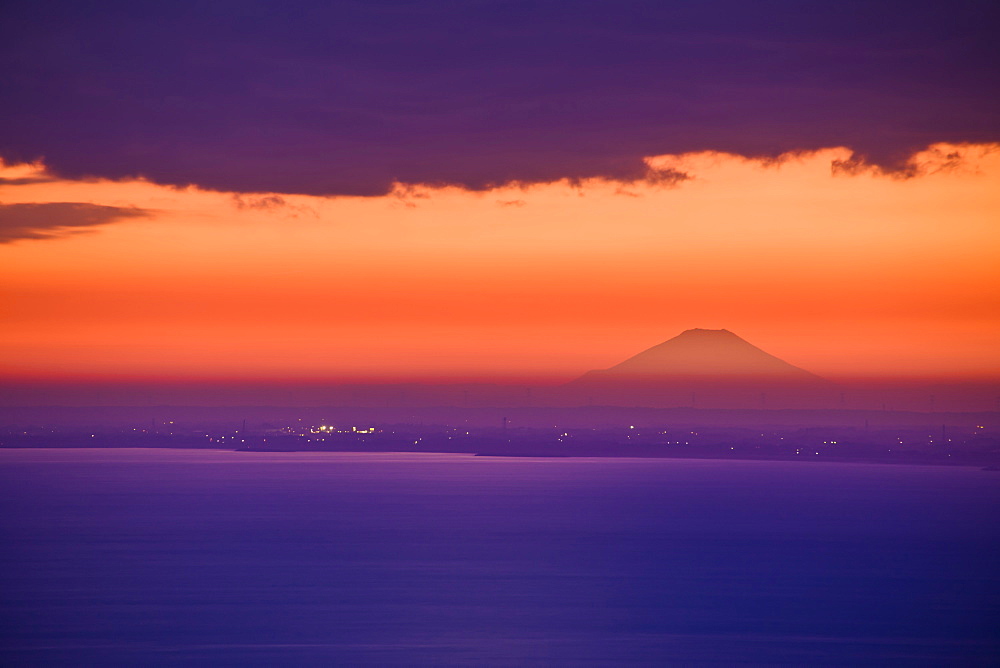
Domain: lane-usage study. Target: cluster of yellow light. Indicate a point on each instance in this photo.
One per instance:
(327, 429)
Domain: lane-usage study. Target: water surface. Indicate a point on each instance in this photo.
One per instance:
(169, 557)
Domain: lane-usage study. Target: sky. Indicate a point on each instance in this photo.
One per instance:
(495, 191)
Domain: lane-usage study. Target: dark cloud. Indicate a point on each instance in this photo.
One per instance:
(272, 203)
(265, 202)
(26, 180)
(663, 177)
(56, 219)
(349, 97)
(928, 162)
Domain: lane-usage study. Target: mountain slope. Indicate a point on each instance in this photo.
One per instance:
(703, 355)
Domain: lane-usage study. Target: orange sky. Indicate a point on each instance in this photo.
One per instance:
(842, 272)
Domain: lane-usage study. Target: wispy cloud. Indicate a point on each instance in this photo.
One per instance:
(26, 180)
(51, 220)
(265, 202)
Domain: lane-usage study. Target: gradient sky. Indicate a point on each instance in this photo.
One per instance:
(496, 190)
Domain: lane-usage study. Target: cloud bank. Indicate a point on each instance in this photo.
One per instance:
(349, 98)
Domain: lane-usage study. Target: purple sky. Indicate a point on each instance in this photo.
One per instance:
(345, 97)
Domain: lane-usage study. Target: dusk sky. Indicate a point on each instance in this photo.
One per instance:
(511, 191)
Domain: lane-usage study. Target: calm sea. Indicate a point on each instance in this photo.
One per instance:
(195, 558)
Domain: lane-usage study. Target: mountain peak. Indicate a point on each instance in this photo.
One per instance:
(698, 331)
(704, 354)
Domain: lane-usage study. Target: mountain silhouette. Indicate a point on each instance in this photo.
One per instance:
(703, 356)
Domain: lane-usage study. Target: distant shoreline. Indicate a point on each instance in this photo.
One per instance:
(988, 463)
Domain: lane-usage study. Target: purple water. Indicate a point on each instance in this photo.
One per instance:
(173, 557)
